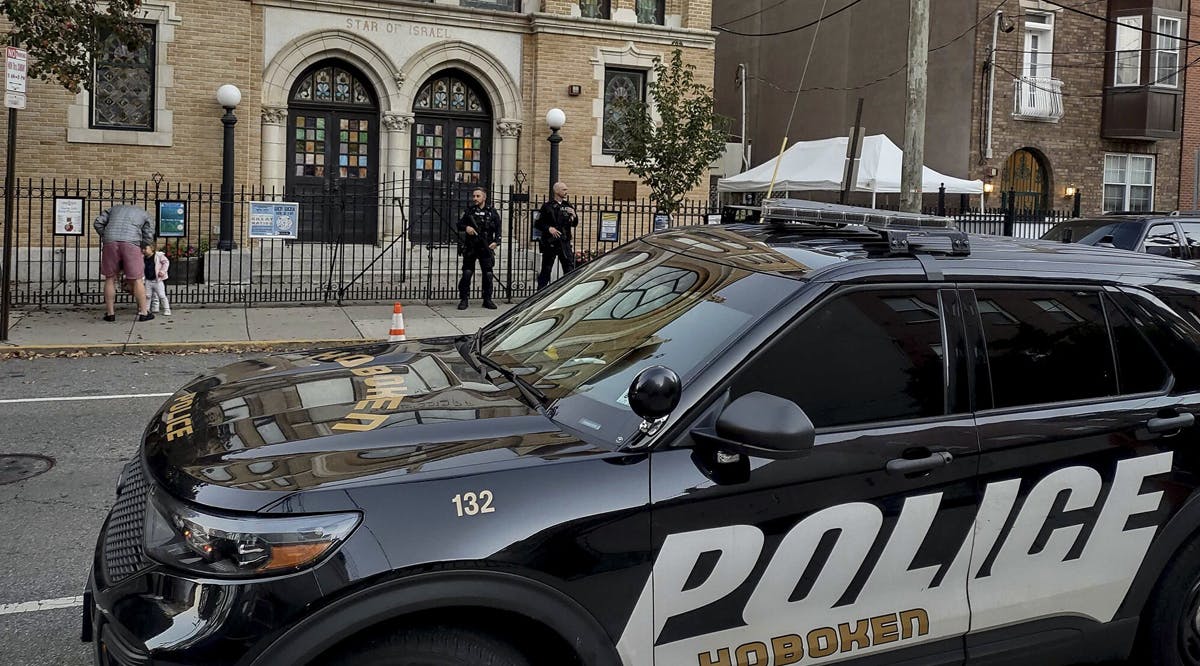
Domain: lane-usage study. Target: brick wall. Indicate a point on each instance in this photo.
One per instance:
(561, 61)
(221, 41)
(217, 42)
(1188, 197)
(1073, 147)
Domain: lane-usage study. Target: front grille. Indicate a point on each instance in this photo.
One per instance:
(123, 538)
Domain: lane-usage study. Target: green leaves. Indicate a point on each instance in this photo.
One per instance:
(672, 155)
(60, 34)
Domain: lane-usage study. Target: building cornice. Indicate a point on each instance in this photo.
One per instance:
(460, 17)
(490, 19)
(622, 32)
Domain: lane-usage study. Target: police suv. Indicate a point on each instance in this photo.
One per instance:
(838, 435)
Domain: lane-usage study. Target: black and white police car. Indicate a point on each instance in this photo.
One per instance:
(839, 435)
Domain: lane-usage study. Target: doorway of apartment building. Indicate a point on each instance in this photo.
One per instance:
(333, 144)
(451, 154)
(1026, 180)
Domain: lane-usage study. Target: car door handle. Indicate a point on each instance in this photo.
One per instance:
(1170, 423)
(914, 466)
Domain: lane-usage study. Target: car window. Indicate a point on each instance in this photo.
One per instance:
(1123, 235)
(583, 343)
(1072, 231)
(862, 357)
(1046, 346)
(1191, 232)
(1163, 240)
(1139, 368)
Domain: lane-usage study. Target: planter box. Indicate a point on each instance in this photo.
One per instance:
(186, 271)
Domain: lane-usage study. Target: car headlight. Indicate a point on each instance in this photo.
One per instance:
(239, 546)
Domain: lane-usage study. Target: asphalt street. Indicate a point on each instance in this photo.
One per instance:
(50, 522)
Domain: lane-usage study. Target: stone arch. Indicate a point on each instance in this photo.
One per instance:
(305, 50)
(503, 92)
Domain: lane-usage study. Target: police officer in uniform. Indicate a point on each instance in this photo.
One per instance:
(479, 236)
(555, 221)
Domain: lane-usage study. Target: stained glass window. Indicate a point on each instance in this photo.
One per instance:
(353, 141)
(448, 93)
(308, 135)
(123, 83)
(594, 9)
(468, 154)
(331, 84)
(429, 153)
(619, 85)
(650, 11)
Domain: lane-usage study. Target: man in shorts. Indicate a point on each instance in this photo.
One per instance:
(123, 229)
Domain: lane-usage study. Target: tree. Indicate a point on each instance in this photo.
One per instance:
(671, 155)
(60, 34)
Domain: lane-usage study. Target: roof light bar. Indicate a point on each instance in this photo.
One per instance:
(815, 212)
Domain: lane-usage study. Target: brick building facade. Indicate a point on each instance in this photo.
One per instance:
(1068, 122)
(403, 65)
(1071, 118)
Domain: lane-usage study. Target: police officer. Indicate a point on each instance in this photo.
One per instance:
(555, 221)
(479, 235)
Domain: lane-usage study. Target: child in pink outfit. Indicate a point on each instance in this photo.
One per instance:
(156, 273)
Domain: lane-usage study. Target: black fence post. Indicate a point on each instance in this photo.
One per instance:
(1075, 208)
(941, 209)
(1009, 204)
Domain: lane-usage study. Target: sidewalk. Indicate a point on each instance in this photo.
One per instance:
(190, 328)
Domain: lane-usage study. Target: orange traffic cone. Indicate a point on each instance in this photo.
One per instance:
(397, 332)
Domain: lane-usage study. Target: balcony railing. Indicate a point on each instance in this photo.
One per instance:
(1037, 98)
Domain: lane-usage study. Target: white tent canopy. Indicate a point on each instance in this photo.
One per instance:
(821, 165)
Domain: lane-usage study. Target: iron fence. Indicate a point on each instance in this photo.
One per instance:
(395, 242)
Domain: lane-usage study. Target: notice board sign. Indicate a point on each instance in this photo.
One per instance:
(610, 226)
(70, 214)
(172, 218)
(274, 219)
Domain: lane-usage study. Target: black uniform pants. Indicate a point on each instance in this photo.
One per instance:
(566, 258)
(487, 262)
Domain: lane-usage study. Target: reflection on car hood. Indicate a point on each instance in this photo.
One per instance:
(264, 428)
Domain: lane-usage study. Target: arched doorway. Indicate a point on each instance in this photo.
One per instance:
(451, 153)
(333, 148)
(1027, 179)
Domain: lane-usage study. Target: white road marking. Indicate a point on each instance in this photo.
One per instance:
(44, 604)
(74, 398)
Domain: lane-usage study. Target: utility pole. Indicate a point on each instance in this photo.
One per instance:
(914, 106)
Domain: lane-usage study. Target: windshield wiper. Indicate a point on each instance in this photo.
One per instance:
(532, 393)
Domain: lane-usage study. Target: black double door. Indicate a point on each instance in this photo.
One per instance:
(333, 174)
(450, 158)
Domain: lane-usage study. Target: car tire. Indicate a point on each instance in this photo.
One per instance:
(432, 646)
(1172, 635)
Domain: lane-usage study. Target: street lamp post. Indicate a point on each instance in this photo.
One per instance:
(228, 96)
(555, 118)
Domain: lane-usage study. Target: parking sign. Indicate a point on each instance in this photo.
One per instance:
(15, 63)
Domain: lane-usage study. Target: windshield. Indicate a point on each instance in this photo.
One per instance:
(583, 342)
(1125, 234)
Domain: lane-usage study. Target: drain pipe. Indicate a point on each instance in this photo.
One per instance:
(991, 97)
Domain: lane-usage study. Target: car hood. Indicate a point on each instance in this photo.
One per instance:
(264, 428)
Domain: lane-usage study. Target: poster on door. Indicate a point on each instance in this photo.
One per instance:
(68, 216)
(274, 219)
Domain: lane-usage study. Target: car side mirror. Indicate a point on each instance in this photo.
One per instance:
(654, 393)
(762, 425)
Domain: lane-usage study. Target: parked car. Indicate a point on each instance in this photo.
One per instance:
(1164, 234)
(836, 434)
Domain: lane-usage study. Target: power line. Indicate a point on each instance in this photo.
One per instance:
(1098, 17)
(890, 74)
(789, 30)
(752, 14)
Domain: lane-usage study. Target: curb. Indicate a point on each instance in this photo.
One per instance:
(177, 347)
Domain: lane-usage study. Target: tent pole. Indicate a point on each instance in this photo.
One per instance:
(775, 173)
